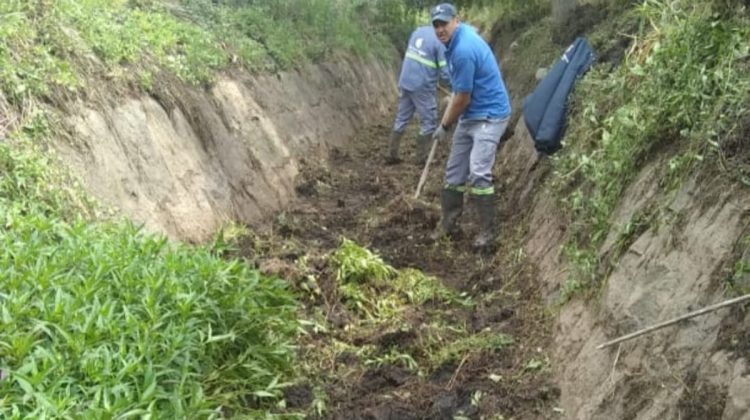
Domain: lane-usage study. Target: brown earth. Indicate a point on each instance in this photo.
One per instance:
(185, 160)
(355, 195)
(552, 369)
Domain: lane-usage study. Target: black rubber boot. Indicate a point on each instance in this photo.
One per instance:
(452, 203)
(423, 148)
(393, 146)
(485, 240)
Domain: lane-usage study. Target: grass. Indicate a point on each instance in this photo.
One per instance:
(100, 320)
(66, 47)
(681, 87)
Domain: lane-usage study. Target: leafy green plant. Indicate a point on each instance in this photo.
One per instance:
(394, 357)
(99, 320)
(30, 68)
(380, 292)
(50, 49)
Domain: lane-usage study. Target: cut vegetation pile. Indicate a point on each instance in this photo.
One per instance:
(397, 326)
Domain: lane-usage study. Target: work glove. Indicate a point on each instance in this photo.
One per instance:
(441, 133)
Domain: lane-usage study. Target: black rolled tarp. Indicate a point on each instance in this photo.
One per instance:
(545, 110)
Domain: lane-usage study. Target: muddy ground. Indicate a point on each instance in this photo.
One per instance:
(355, 195)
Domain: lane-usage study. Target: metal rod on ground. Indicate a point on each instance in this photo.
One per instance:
(426, 169)
(675, 320)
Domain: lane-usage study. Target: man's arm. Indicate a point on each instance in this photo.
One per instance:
(462, 78)
(457, 106)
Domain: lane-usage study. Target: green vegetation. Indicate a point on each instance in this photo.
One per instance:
(379, 300)
(64, 45)
(738, 281)
(55, 48)
(504, 14)
(462, 346)
(99, 320)
(359, 265)
(371, 286)
(683, 87)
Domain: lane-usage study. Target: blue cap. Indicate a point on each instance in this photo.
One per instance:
(443, 12)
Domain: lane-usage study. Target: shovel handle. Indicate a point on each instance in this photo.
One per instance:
(426, 169)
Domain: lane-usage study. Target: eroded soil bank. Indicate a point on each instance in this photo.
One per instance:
(183, 161)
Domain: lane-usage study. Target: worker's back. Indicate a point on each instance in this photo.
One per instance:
(423, 62)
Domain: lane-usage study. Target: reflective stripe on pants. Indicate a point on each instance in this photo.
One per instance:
(473, 154)
(424, 102)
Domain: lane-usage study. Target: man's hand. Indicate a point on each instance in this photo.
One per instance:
(440, 134)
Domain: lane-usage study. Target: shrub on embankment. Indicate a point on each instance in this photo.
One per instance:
(683, 89)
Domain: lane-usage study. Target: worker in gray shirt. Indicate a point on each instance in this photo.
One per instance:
(423, 64)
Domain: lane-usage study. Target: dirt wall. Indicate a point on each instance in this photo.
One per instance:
(697, 369)
(185, 161)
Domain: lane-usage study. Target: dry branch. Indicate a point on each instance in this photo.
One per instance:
(675, 320)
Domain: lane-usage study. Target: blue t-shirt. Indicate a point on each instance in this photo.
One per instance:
(474, 70)
(424, 61)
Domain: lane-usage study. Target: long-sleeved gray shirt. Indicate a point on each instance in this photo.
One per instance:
(424, 61)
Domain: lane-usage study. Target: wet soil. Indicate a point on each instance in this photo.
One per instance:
(355, 195)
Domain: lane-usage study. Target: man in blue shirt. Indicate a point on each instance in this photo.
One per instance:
(481, 109)
(423, 64)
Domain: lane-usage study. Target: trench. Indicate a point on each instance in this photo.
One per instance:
(352, 194)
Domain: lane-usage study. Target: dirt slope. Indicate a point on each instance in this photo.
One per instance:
(185, 160)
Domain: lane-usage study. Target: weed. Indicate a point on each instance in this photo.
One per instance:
(476, 398)
(738, 281)
(51, 47)
(535, 365)
(320, 402)
(395, 358)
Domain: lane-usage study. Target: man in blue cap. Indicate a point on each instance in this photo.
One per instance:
(480, 108)
(423, 64)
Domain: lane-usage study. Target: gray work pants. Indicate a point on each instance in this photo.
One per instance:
(472, 155)
(424, 102)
